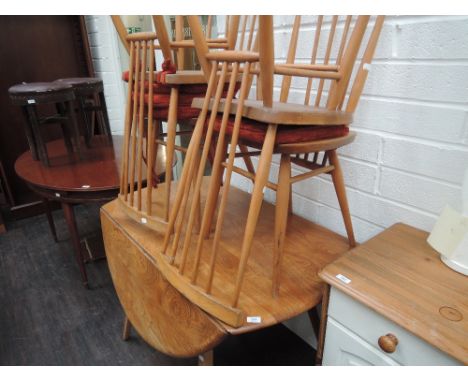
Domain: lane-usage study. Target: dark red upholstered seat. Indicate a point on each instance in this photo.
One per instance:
(161, 94)
(253, 132)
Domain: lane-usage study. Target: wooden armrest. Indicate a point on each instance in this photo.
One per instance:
(321, 67)
(142, 36)
(191, 44)
(305, 72)
(233, 56)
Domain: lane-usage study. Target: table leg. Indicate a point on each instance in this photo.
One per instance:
(206, 359)
(126, 329)
(50, 218)
(2, 224)
(73, 127)
(71, 222)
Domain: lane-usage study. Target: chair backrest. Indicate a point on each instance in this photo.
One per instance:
(139, 112)
(335, 44)
(140, 134)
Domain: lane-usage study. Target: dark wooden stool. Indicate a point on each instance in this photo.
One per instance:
(28, 96)
(89, 94)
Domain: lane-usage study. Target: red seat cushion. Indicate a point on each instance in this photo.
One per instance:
(184, 109)
(254, 132)
(183, 113)
(161, 93)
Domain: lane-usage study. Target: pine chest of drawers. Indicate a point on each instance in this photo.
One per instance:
(391, 301)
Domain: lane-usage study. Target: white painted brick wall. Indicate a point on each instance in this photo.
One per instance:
(411, 150)
(105, 54)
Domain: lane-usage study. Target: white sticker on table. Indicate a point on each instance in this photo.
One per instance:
(343, 278)
(254, 319)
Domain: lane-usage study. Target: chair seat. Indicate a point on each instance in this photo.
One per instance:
(165, 88)
(253, 132)
(284, 113)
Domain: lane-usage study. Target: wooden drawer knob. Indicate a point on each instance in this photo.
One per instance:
(388, 343)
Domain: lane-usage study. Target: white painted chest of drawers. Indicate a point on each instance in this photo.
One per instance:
(353, 331)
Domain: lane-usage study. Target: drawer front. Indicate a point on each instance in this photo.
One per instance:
(369, 325)
(344, 348)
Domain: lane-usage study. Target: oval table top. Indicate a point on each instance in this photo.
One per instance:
(97, 170)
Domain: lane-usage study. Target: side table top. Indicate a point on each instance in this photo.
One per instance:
(97, 170)
(401, 277)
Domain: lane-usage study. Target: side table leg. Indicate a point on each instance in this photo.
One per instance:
(71, 222)
(50, 218)
(2, 224)
(206, 359)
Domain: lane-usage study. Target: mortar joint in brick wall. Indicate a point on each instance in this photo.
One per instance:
(465, 126)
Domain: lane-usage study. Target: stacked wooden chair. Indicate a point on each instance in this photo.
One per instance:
(155, 97)
(248, 264)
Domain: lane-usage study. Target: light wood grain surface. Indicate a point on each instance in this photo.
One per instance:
(158, 312)
(402, 278)
(307, 248)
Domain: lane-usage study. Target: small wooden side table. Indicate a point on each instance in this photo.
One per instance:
(93, 179)
(393, 302)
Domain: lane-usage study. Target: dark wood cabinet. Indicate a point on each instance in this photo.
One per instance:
(32, 49)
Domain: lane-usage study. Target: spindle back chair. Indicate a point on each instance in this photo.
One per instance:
(170, 97)
(282, 127)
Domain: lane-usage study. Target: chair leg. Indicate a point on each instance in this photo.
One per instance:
(261, 179)
(126, 329)
(29, 132)
(50, 218)
(206, 359)
(41, 146)
(170, 146)
(338, 182)
(290, 207)
(247, 159)
(216, 182)
(281, 218)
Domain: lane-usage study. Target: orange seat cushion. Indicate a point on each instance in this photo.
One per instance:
(253, 132)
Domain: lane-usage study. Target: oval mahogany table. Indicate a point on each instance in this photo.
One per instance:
(69, 180)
